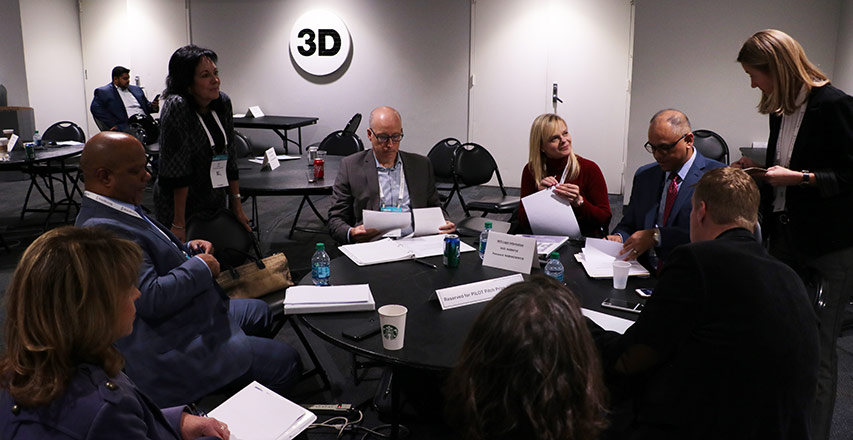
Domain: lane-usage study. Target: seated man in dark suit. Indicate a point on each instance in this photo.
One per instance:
(658, 217)
(727, 346)
(116, 102)
(188, 338)
(382, 178)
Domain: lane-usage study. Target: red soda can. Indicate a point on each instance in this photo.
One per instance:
(318, 169)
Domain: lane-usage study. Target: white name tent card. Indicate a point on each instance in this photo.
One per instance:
(256, 412)
(510, 252)
(597, 259)
(550, 214)
(255, 112)
(473, 293)
(270, 159)
(12, 142)
(428, 220)
(280, 157)
(608, 322)
(322, 299)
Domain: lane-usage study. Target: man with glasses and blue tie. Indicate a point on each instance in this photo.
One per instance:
(657, 218)
(382, 178)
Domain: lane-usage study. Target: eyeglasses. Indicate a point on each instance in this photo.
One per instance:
(382, 138)
(663, 147)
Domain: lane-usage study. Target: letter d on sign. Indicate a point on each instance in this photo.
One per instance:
(320, 43)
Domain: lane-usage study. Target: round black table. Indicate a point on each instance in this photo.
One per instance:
(18, 157)
(434, 336)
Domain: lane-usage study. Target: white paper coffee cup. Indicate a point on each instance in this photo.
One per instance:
(392, 321)
(620, 274)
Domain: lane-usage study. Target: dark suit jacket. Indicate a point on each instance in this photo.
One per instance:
(357, 188)
(91, 409)
(645, 202)
(183, 344)
(108, 107)
(736, 344)
(820, 214)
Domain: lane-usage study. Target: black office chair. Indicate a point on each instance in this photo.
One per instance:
(474, 166)
(101, 125)
(43, 177)
(353, 124)
(441, 157)
(232, 244)
(242, 145)
(341, 143)
(711, 145)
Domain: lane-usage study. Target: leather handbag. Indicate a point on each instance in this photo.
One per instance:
(256, 278)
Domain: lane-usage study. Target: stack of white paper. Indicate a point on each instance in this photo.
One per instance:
(387, 250)
(598, 256)
(426, 221)
(257, 413)
(323, 299)
(550, 214)
(545, 244)
(429, 246)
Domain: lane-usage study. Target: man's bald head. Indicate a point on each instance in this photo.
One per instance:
(384, 114)
(113, 165)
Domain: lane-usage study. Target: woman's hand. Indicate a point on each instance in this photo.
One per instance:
(237, 209)
(547, 182)
(179, 231)
(744, 162)
(781, 176)
(193, 427)
(570, 192)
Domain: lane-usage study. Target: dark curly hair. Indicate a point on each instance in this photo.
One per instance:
(528, 369)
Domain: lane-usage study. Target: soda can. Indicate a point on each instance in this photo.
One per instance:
(318, 169)
(451, 250)
(30, 150)
(312, 154)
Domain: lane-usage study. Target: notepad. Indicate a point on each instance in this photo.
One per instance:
(258, 413)
(325, 299)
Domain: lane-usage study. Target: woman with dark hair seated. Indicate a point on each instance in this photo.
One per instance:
(196, 142)
(70, 298)
(528, 369)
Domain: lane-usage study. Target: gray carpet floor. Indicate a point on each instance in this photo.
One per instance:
(276, 216)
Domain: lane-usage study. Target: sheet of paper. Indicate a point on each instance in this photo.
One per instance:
(68, 143)
(430, 245)
(256, 412)
(510, 252)
(279, 157)
(608, 322)
(600, 265)
(473, 293)
(375, 252)
(428, 220)
(12, 142)
(607, 247)
(385, 221)
(550, 214)
(356, 293)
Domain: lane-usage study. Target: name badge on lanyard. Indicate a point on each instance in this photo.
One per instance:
(397, 208)
(218, 176)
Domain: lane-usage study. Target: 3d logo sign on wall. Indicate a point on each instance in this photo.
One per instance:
(319, 42)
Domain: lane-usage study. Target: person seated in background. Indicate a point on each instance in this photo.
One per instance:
(528, 369)
(383, 178)
(71, 297)
(189, 339)
(658, 217)
(116, 102)
(553, 163)
(727, 346)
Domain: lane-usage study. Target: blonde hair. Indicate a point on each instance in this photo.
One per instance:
(61, 308)
(731, 197)
(775, 53)
(543, 127)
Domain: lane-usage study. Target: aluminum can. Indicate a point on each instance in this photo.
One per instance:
(312, 154)
(451, 250)
(30, 150)
(318, 168)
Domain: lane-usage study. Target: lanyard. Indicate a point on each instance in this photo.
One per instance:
(207, 132)
(105, 201)
(402, 182)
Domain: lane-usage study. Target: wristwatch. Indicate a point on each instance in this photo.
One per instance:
(657, 237)
(805, 181)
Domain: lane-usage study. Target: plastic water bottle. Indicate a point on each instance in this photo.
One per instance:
(484, 237)
(320, 271)
(554, 268)
(37, 139)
